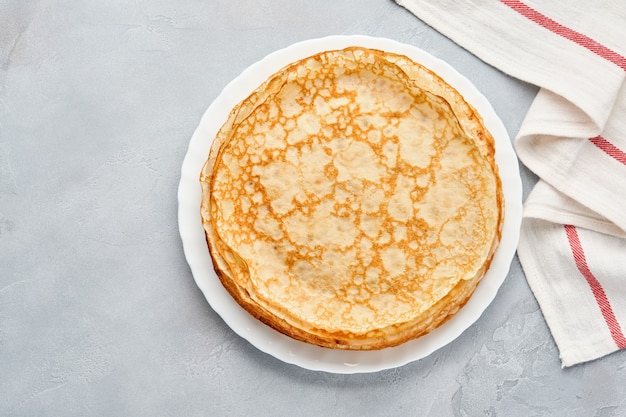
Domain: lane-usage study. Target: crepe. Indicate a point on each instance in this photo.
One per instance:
(352, 200)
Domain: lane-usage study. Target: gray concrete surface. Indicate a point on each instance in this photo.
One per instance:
(99, 312)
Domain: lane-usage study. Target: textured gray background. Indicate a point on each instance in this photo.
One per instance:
(99, 313)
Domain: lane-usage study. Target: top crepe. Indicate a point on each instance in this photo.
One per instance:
(352, 200)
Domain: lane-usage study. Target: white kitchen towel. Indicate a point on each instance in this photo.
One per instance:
(573, 240)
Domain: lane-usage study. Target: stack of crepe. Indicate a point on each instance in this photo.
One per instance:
(352, 201)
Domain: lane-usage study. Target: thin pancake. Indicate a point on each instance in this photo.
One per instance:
(352, 201)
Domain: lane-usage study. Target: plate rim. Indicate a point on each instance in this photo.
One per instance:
(281, 346)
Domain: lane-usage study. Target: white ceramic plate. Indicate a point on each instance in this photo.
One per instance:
(277, 344)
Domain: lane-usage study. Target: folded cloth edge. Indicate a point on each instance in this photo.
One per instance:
(571, 352)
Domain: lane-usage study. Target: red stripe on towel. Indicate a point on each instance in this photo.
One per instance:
(596, 287)
(610, 149)
(584, 41)
(567, 33)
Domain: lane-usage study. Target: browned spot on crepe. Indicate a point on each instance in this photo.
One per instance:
(352, 201)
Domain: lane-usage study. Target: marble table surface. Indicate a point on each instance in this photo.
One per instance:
(99, 311)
